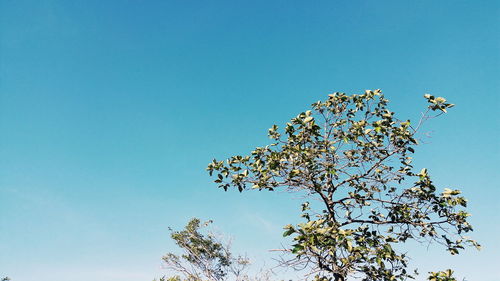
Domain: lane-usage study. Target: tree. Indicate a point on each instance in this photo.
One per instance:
(205, 257)
(353, 156)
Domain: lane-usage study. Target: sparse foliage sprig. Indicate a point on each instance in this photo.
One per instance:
(445, 275)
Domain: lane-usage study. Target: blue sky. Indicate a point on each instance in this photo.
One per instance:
(110, 111)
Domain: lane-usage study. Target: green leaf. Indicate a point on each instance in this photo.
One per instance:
(288, 232)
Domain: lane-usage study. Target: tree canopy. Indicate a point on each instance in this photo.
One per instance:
(353, 156)
(204, 256)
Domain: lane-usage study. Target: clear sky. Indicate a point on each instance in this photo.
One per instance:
(110, 111)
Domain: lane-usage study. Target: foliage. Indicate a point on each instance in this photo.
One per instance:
(446, 275)
(204, 256)
(353, 155)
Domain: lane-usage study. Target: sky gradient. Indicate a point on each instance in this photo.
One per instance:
(110, 111)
